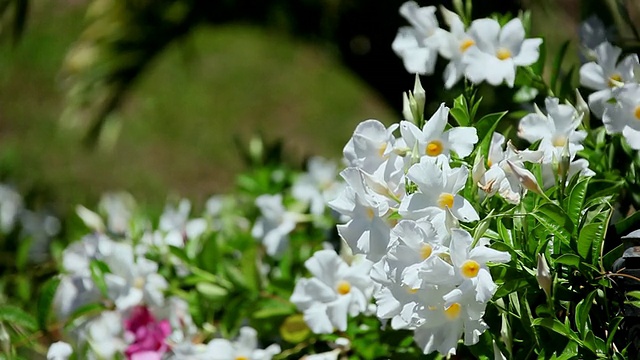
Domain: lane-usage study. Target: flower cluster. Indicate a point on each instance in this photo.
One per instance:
(404, 205)
(485, 51)
(616, 91)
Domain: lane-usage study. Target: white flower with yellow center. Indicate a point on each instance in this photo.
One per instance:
(606, 74)
(412, 244)
(245, 347)
(471, 263)
(433, 140)
(454, 43)
(624, 116)
(370, 145)
(417, 44)
(438, 186)
(558, 127)
(335, 291)
(498, 51)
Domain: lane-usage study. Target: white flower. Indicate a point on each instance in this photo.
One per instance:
(59, 350)
(318, 185)
(592, 33)
(367, 231)
(245, 347)
(454, 44)
(336, 290)
(498, 51)
(433, 140)
(416, 44)
(275, 224)
(624, 116)
(501, 178)
(470, 263)
(118, 207)
(105, 335)
(558, 126)
(10, 207)
(438, 186)
(370, 145)
(606, 74)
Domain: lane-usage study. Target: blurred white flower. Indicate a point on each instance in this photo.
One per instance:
(336, 290)
(624, 116)
(416, 44)
(11, 205)
(59, 350)
(274, 225)
(245, 347)
(606, 74)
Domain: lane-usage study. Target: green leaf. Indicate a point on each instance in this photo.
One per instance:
(98, 269)
(628, 223)
(614, 325)
(84, 310)
(18, 317)
(460, 111)
(273, 311)
(211, 291)
(575, 201)
(47, 293)
(582, 313)
(555, 221)
(556, 326)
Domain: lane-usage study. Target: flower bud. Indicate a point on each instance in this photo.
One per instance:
(543, 275)
(525, 177)
(583, 109)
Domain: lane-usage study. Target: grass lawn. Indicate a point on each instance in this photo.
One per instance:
(178, 123)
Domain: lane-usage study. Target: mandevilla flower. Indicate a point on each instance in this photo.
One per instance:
(416, 44)
(336, 290)
(433, 140)
(624, 116)
(606, 74)
(496, 51)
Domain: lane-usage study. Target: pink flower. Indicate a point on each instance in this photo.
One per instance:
(148, 335)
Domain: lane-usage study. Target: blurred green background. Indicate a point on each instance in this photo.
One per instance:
(205, 73)
(178, 123)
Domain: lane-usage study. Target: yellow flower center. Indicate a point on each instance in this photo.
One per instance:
(426, 251)
(370, 213)
(560, 141)
(614, 79)
(241, 357)
(489, 162)
(382, 149)
(343, 287)
(636, 112)
(470, 268)
(445, 200)
(466, 44)
(453, 311)
(434, 148)
(411, 291)
(503, 54)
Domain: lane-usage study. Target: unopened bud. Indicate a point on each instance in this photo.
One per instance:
(564, 163)
(583, 109)
(525, 177)
(419, 96)
(543, 275)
